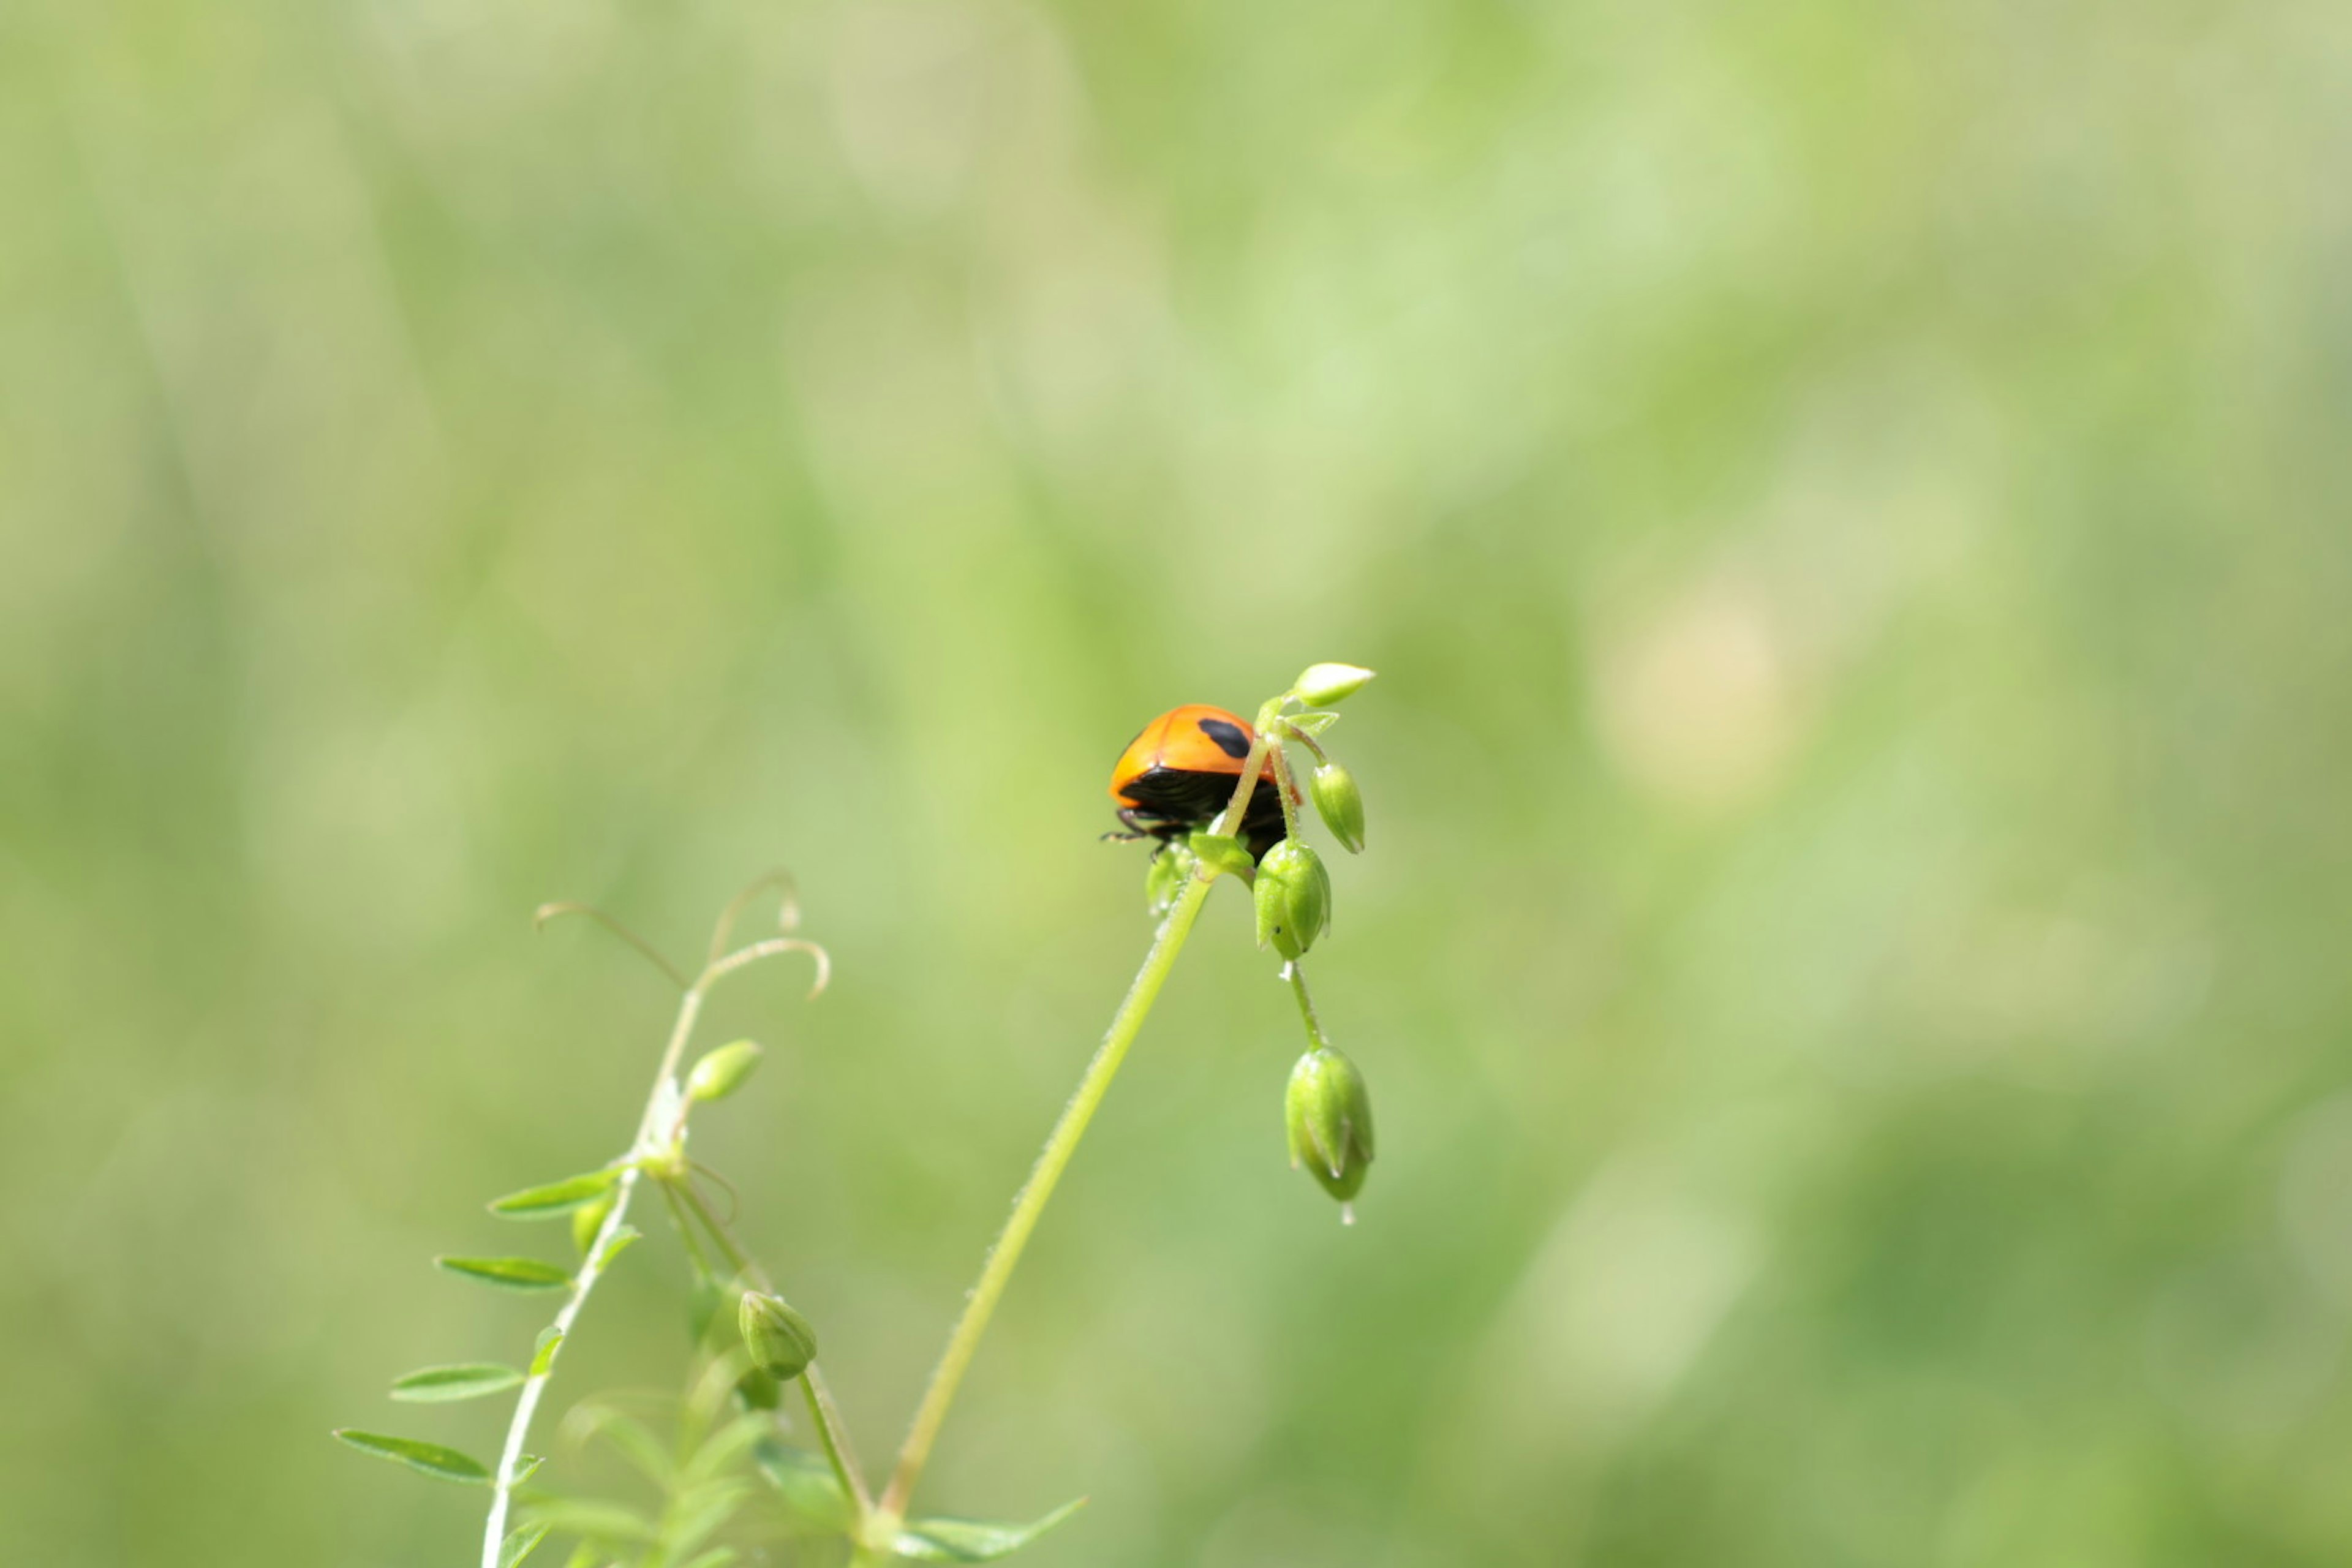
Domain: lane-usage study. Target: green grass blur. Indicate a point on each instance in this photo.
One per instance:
(1853, 507)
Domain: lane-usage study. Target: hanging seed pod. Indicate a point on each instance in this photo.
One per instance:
(1293, 898)
(1328, 1114)
(1340, 805)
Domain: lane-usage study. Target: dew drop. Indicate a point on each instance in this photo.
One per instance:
(1347, 1214)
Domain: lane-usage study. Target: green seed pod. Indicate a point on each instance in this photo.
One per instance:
(587, 1220)
(1329, 1116)
(780, 1340)
(1293, 896)
(722, 1072)
(1340, 805)
(1324, 684)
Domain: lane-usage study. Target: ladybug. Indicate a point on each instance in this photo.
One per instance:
(1180, 773)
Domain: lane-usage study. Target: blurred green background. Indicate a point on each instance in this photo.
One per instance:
(1850, 504)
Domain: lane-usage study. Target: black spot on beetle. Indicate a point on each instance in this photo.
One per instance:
(1231, 739)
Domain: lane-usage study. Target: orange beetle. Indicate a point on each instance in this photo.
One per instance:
(1181, 771)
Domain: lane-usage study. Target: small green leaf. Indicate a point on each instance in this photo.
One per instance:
(438, 1384)
(588, 1223)
(508, 1273)
(972, 1541)
(1222, 852)
(555, 1197)
(527, 1466)
(603, 1522)
(622, 1240)
(810, 1491)
(427, 1459)
(630, 1436)
(542, 1357)
(521, 1543)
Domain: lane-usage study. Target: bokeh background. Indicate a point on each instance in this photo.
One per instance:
(1850, 505)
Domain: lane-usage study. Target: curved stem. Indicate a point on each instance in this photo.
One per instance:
(720, 968)
(788, 911)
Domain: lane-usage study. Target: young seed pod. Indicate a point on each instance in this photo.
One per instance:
(587, 1220)
(780, 1340)
(722, 1072)
(1328, 1114)
(1340, 805)
(1322, 685)
(1293, 898)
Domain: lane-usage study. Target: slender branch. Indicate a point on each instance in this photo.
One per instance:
(592, 1269)
(546, 912)
(1051, 1161)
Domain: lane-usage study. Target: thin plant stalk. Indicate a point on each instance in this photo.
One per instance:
(1061, 1145)
(493, 1531)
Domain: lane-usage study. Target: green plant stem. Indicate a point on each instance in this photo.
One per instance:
(494, 1530)
(1051, 1161)
(830, 1434)
(1298, 978)
(1283, 787)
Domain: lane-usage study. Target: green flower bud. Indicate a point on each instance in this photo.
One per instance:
(780, 1340)
(1164, 878)
(722, 1072)
(1324, 684)
(1340, 805)
(1329, 1116)
(1293, 895)
(587, 1220)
